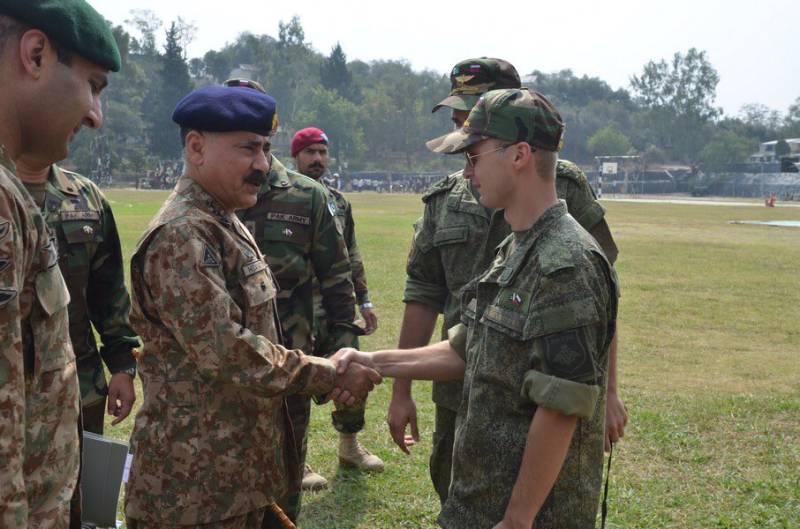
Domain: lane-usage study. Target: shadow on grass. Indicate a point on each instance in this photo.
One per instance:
(340, 507)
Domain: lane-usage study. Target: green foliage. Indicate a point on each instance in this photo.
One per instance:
(336, 76)
(339, 118)
(608, 141)
(726, 148)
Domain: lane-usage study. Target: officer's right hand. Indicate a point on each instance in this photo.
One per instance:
(402, 412)
(355, 377)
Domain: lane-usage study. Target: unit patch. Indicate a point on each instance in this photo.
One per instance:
(6, 295)
(566, 356)
(210, 259)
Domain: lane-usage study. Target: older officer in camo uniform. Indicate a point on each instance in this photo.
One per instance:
(454, 240)
(532, 345)
(211, 445)
(56, 55)
(294, 224)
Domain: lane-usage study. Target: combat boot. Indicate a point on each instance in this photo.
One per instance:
(312, 480)
(352, 454)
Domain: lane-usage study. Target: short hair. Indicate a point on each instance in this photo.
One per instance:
(545, 163)
(12, 28)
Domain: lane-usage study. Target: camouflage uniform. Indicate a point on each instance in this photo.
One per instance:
(91, 262)
(211, 441)
(293, 224)
(535, 331)
(444, 257)
(345, 419)
(39, 394)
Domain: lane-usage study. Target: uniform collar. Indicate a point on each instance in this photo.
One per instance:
(191, 190)
(61, 182)
(527, 238)
(278, 176)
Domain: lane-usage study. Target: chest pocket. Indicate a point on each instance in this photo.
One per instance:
(259, 291)
(50, 331)
(80, 240)
(451, 235)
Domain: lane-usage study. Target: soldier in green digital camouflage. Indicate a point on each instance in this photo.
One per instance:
(54, 61)
(294, 224)
(309, 149)
(454, 240)
(532, 345)
(90, 258)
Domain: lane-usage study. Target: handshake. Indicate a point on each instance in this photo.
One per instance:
(356, 376)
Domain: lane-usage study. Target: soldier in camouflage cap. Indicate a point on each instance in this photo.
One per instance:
(54, 61)
(443, 258)
(532, 345)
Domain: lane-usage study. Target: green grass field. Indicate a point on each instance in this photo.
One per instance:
(709, 368)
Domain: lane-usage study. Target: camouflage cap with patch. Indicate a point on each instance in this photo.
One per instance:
(472, 77)
(513, 115)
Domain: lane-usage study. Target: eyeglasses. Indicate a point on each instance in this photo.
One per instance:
(471, 157)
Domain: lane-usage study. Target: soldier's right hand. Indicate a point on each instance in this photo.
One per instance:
(354, 381)
(402, 412)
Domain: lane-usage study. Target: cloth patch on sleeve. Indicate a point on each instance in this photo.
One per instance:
(332, 208)
(567, 356)
(6, 295)
(210, 259)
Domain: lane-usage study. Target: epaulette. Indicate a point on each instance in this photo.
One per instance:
(567, 169)
(443, 185)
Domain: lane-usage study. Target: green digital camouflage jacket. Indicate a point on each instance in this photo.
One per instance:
(294, 225)
(210, 441)
(39, 395)
(456, 239)
(535, 331)
(90, 258)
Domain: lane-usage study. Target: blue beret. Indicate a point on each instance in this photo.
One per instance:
(216, 108)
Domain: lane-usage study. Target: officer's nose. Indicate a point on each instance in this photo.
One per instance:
(262, 162)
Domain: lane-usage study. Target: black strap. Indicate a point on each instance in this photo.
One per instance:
(604, 508)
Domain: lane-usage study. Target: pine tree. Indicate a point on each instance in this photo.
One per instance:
(335, 75)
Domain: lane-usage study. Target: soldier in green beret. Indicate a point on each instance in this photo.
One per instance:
(533, 342)
(453, 241)
(54, 61)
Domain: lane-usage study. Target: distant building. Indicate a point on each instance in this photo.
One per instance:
(766, 151)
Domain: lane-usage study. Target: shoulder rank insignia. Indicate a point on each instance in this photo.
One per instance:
(210, 260)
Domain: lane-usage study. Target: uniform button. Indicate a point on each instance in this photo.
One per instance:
(264, 287)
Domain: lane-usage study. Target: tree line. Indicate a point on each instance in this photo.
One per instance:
(378, 114)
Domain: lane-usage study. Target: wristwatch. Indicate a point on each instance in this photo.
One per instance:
(367, 305)
(129, 371)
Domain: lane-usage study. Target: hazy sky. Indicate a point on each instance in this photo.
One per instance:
(754, 46)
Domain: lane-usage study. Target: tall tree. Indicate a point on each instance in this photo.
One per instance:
(335, 75)
(147, 24)
(679, 96)
(173, 83)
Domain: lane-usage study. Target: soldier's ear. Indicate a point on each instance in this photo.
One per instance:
(32, 47)
(195, 147)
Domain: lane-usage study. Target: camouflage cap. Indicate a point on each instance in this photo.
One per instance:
(513, 115)
(472, 77)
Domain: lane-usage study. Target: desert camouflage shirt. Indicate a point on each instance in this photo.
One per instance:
(535, 332)
(209, 441)
(39, 396)
(90, 258)
(456, 239)
(294, 224)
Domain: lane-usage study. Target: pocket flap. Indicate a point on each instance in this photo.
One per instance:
(541, 321)
(51, 291)
(258, 287)
(451, 235)
(82, 231)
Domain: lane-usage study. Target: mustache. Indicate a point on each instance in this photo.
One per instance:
(256, 178)
(316, 165)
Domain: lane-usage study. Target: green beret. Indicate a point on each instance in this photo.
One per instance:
(73, 24)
